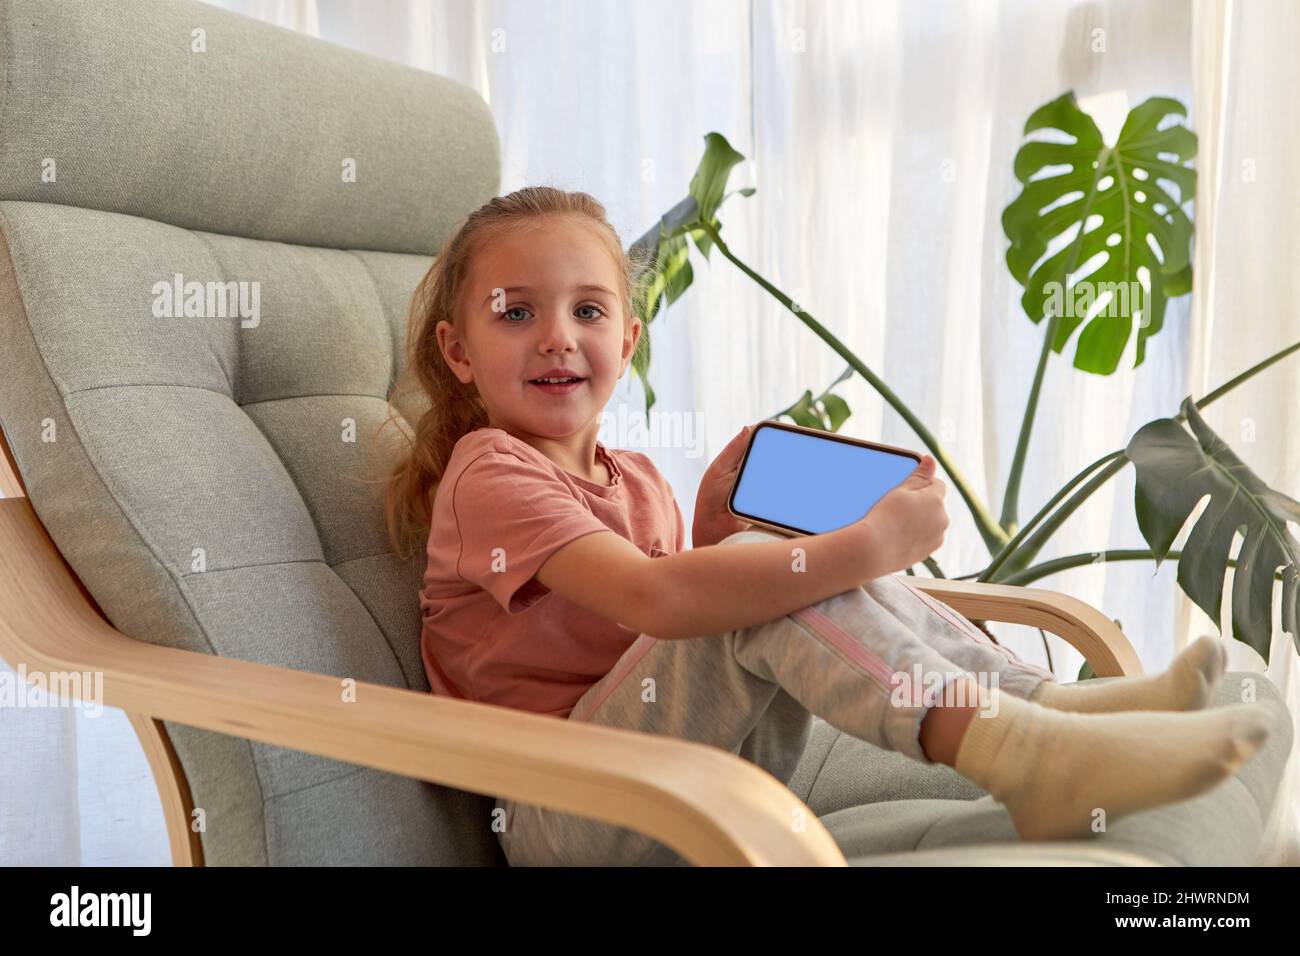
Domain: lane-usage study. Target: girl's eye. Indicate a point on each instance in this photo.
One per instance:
(597, 309)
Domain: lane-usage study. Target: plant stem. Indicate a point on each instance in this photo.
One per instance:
(994, 537)
(988, 573)
(1011, 498)
(933, 565)
(1096, 557)
(1025, 552)
(1234, 382)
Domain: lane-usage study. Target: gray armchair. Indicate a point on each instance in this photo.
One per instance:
(192, 487)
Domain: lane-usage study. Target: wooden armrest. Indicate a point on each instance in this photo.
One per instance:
(712, 807)
(1079, 624)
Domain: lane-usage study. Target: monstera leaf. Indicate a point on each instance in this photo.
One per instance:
(826, 412)
(1174, 471)
(663, 255)
(1122, 208)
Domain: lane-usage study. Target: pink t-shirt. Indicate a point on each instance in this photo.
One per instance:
(491, 632)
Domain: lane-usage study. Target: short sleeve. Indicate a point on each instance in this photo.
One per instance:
(680, 542)
(675, 510)
(511, 515)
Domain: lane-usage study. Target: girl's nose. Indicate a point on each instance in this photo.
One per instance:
(557, 332)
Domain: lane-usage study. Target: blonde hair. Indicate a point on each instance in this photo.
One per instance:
(456, 409)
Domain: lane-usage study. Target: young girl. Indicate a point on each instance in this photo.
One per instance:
(558, 579)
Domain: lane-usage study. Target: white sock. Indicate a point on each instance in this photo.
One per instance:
(1188, 684)
(1055, 770)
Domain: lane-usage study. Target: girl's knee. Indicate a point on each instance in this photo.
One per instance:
(752, 534)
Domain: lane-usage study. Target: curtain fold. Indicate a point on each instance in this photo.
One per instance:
(1245, 294)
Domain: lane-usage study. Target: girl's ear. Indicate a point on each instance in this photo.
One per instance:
(630, 343)
(453, 352)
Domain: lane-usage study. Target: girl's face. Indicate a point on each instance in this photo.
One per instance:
(536, 299)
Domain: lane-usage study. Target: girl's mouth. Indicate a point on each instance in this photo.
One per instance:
(558, 388)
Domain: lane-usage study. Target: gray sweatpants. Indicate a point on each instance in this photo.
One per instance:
(867, 661)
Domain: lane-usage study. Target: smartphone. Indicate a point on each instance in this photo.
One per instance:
(796, 480)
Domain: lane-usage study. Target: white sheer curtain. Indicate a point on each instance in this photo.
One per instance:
(1248, 217)
(881, 136)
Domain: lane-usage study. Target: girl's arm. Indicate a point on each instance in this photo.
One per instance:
(727, 587)
(714, 589)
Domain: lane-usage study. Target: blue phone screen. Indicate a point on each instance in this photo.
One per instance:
(812, 484)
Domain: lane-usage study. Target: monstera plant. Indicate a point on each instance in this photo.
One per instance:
(1099, 237)
(1122, 218)
(1174, 471)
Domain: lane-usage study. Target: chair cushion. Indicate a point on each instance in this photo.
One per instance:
(187, 114)
(203, 484)
(838, 771)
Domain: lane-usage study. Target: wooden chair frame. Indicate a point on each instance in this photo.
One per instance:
(711, 806)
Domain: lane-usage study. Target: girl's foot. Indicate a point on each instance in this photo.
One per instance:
(1063, 775)
(1188, 684)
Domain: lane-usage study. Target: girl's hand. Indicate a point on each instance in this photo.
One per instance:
(713, 522)
(910, 520)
